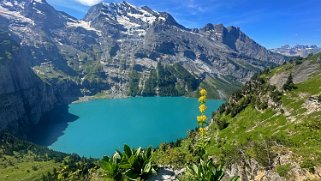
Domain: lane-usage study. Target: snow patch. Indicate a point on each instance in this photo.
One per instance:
(38, 11)
(145, 17)
(8, 3)
(15, 15)
(83, 24)
(123, 20)
(38, 1)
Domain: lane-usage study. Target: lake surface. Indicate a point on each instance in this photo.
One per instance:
(96, 128)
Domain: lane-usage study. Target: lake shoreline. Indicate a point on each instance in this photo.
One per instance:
(95, 97)
(107, 124)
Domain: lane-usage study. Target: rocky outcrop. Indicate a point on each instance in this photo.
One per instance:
(300, 73)
(23, 96)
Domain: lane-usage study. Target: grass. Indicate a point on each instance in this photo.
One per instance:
(283, 170)
(24, 167)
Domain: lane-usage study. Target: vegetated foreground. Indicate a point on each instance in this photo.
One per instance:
(269, 130)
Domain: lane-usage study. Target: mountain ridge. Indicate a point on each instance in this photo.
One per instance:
(297, 50)
(121, 50)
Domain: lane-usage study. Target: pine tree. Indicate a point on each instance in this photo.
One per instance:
(289, 85)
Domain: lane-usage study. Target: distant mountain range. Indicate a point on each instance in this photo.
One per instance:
(49, 57)
(297, 50)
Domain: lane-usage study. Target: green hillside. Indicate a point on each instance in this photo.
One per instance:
(264, 128)
(270, 129)
(22, 160)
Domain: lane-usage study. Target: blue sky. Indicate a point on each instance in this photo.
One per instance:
(271, 23)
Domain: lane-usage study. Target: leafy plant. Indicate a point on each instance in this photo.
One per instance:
(206, 171)
(131, 164)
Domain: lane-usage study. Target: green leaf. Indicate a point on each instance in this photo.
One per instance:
(131, 175)
(127, 151)
(147, 167)
(195, 168)
(116, 157)
(125, 165)
(132, 160)
(148, 153)
(106, 158)
(139, 150)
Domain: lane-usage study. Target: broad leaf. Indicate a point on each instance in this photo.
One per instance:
(131, 175)
(147, 167)
(127, 151)
(132, 160)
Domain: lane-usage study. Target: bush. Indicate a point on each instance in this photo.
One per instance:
(263, 153)
(222, 123)
(283, 170)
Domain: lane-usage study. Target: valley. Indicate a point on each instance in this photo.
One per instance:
(83, 99)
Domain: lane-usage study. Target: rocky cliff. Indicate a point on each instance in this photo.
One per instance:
(119, 49)
(23, 96)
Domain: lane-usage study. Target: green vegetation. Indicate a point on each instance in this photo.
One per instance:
(166, 80)
(283, 170)
(131, 164)
(134, 78)
(289, 85)
(7, 46)
(22, 160)
(204, 171)
(259, 122)
(217, 86)
(263, 123)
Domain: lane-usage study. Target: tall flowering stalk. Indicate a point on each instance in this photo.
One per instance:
(201, 119)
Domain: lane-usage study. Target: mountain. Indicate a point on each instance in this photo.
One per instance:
(269, 130)
(297, 50)
(117, 50)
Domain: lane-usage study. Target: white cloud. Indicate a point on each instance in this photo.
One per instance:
(89, 2)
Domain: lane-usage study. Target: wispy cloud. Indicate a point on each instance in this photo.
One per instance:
(89, 2)
(195, 6)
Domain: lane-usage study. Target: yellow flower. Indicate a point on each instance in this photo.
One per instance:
(201, 119)
(202, 108)
(203, 92)
(202, 131)
(202, 99)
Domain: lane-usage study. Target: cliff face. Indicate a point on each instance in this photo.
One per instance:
(118, 49)
(118, 40)
(23, 96)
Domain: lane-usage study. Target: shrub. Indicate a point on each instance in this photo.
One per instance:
(263, 153)
(222, 123)
(283, 170)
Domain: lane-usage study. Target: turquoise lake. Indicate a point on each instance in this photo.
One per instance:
(99, 127)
